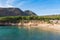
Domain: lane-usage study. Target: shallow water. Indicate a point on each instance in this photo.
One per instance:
(15, 33)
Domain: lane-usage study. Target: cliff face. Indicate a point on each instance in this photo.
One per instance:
(13, 12)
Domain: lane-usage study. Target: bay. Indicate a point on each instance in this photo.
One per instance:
(22, 33)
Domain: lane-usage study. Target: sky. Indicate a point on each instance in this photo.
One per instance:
(40, 7)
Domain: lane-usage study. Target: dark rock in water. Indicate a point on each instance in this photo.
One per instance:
(14, 12)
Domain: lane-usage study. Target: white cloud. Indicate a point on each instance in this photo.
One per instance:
(21, 3)
(7, 4)
(10, 3)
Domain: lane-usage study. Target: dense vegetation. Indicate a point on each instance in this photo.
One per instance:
(20, 18)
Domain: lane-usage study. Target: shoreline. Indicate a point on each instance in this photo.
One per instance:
(43, 26)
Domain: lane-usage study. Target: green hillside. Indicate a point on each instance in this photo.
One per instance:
(19, 18)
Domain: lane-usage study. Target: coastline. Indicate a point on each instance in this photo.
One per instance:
(41, 25)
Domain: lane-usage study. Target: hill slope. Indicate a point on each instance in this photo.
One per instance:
(28, 12)
(13, 12)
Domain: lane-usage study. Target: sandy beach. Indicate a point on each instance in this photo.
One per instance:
(47, 27)
(37, 24)
(50, 27)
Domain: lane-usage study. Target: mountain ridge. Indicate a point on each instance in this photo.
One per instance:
(14, 12)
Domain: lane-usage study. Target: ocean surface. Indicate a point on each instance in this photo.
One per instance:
(22, 33)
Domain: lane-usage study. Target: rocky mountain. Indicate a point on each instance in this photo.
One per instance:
(14, 12)
(28, 12)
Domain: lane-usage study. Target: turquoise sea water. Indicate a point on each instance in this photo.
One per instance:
(15, 33)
